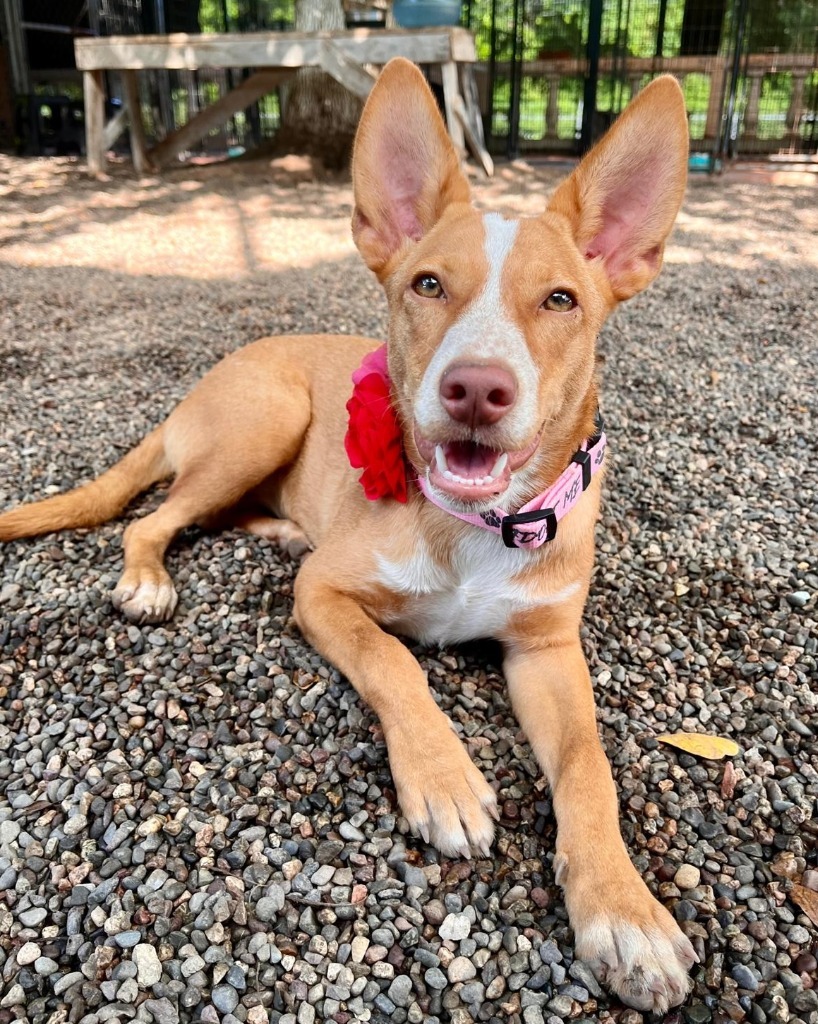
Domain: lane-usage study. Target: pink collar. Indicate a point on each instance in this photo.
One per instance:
(373, 443)
(536, 522)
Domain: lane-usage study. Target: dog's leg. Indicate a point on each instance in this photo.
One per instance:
(145, 592)
(442, 794)
(222, 441)
(284, 532)
(630, 939)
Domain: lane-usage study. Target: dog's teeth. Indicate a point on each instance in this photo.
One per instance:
(499, 466)
(456, 478)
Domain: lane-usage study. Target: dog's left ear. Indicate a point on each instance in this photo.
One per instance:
(623, 198)
(405, 170)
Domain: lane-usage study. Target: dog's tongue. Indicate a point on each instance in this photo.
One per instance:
(470, 460)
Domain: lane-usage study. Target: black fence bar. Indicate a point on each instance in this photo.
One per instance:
(725, 148)
(589, 93)
(513, 146)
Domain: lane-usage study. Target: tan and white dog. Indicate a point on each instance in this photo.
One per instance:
(492, 328)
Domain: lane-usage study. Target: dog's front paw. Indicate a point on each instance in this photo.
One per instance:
(632, 944)
(647, 967)
(145, 595)
(442, 795)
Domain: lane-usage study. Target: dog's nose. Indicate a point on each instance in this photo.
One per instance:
(477, 395)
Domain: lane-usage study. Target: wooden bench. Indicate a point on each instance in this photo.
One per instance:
(349, 56)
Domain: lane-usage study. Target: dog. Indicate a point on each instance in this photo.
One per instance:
(477, 429)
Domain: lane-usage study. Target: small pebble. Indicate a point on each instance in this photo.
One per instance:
(461, 969)
(687, 877)
(27, 953)
(455, 927)
(225, 998)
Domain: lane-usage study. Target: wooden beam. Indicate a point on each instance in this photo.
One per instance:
(212, 117)
(451, 93)
(139, 150)
(272, 49)
(464, 50)
(474, 141)
(93, 87)
(350, 75)
(114, 128)
(471, 97)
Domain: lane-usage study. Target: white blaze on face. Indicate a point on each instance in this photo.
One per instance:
(485, 333)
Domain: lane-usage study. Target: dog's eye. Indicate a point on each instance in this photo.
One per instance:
(428, 286)
(560, 301)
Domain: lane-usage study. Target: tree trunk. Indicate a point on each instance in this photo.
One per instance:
(319, 116)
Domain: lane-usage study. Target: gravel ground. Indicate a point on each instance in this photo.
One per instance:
(197, 821)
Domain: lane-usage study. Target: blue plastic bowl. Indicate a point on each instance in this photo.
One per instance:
(426, 13)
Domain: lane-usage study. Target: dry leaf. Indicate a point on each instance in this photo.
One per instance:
(728, 781)
(714, 748)
(807, 900)
(785, 865)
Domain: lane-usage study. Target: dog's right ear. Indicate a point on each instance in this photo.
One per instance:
(405, 170)
(622, 199)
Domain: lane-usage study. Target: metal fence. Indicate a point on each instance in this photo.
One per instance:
(554, 73)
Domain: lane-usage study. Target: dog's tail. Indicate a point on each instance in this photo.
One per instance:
(96, 502)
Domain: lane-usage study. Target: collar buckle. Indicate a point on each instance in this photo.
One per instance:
(519, 530)
(583, 459)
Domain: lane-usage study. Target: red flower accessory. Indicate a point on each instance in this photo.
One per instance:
(373, 440)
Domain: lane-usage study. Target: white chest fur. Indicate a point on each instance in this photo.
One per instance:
(475, 596)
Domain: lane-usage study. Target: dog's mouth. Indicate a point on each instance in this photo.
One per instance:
(469, 471)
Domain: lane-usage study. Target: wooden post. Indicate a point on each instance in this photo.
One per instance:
(751, 111)
(796, 105)
(552, 113)
(139, 149)
(93, 85)
(712, 128)
(16, 44)
(451, 91)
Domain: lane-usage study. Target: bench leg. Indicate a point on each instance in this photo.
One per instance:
(139, 150)
(93, 83)
(451, 90)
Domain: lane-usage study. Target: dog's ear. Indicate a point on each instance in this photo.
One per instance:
(405, 170)
(623, 197)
